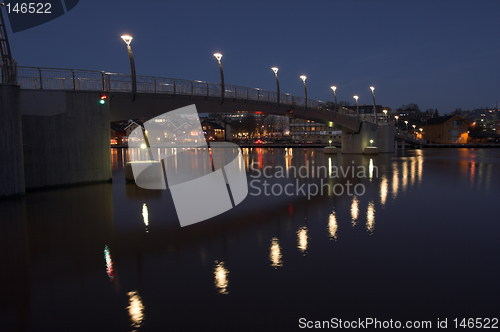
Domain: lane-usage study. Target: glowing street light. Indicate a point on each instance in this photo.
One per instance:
(218, 56)
(275, 71)
(371, 143)
(372, 88)
(397, 121)
(128, 40)
(385, 115)
(304, 78)
(334, 89)
(356, 98)
(406, 123)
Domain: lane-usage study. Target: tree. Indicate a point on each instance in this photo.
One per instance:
(411, 108)
(248, 124)
(432, 112)
(276, 123)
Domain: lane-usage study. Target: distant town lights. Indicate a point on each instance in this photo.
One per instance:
(218, 56)
(127, 39)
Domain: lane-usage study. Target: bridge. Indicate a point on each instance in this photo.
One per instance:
(52, 122)
(157, 95)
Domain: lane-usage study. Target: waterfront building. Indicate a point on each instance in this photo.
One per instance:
(448, 129)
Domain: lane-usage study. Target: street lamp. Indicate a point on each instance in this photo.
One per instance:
(372, 88)
(385, 115)
(406, 123)
(397, 122)
(275, 71)
(334, 89)
(357, 105)
(371, 142)
(128, 40)
(304, 78)
(218, 56)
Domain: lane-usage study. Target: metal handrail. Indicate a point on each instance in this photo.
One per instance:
(93, 80)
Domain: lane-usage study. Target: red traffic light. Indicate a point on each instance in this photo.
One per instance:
(102, 99)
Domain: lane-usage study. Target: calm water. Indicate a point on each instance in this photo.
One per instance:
(422, 242)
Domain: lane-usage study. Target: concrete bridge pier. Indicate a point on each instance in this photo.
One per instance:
(52, 138)
(66, 138)
(11, 144)
(385, 138)
(356, 142)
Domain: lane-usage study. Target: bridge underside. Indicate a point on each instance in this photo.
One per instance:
(147, 106)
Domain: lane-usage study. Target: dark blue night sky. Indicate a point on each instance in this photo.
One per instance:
(441, 54)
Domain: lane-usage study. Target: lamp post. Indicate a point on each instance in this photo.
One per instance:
(275, 71)
(385, 116)
(397, 121)
(128, 40)
(218, 56)
(406, 123)
(304, 78)
(357, 105)
(371, 143)
(414, 131)
(334, 89)
(372, 88)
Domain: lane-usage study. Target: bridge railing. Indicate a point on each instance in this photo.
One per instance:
(88, 80)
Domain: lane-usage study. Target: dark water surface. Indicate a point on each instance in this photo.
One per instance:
(423, 242)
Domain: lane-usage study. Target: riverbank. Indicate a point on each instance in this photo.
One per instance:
(317, 145)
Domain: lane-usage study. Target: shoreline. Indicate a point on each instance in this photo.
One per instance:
(425, 146)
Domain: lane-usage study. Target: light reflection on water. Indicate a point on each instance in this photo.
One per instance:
(135, 309)
(275, 255)
(332, 226)
(354, 211)
(109, 263)
(145, 216)
(384, 189)
(302, 240)
(221, 278)
(370, 217)
(416, 194)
